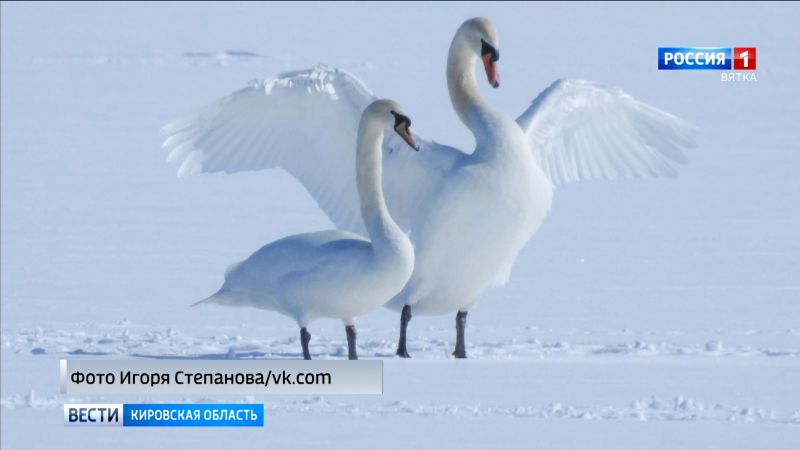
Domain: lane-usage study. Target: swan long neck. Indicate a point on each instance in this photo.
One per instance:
(461, 82)
(382, 229)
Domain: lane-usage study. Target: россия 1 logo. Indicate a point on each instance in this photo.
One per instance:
(711, 58)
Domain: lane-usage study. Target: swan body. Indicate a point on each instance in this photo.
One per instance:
(311, 276)
(468, 214)
(333, 274)
(493, 202)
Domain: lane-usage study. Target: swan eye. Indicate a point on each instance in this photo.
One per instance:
(487, 49)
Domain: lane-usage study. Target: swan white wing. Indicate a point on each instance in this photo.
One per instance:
(306, 123)
(581, 130)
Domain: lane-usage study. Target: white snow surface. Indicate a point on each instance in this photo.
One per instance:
(658, 314)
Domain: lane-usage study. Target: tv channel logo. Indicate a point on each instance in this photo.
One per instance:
(706, 58)
(93, 415)
(744, 58)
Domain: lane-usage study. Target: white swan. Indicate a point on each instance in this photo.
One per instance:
(468, 214)
(335, 274)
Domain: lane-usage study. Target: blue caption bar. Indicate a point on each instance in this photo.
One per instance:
(190, 415)
(694, 58)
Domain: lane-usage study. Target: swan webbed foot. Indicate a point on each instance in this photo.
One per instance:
(305, 338)
(461, 323)
(405, 317)
(352, 353)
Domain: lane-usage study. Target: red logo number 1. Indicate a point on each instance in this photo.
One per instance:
(744, 58)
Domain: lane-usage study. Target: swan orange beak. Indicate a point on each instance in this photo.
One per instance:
(402, 126)
(403, 130)
(490, 64)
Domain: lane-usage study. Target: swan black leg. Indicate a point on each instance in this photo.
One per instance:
(405, 317)
(305, 338)
(461, 323)
(351, 342)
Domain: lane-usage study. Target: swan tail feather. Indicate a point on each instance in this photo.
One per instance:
(221, 297)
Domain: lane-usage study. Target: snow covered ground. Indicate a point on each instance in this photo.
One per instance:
(644, 314)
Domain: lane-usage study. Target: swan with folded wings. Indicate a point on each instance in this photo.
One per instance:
(335, 274)
(468, 214)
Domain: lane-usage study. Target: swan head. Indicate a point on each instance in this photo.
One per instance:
(390, 115)
(481, 37)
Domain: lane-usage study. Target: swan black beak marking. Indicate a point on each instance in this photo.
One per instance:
(402, 126)
(490, 56)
